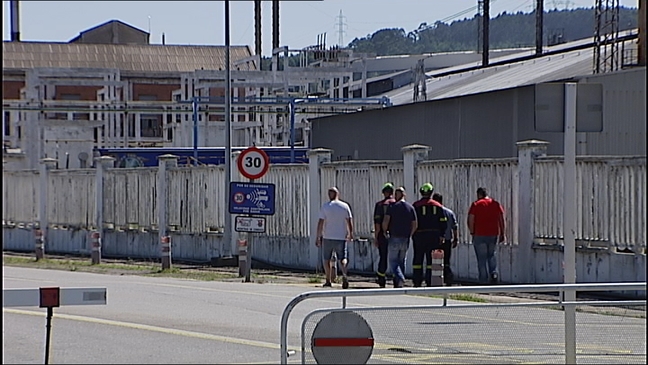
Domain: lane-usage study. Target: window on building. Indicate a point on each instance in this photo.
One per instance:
(146, 97)
(70, 96)
(151, 126)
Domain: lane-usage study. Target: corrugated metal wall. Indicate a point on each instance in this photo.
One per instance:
(130, 197)
(20, 196)
(611, 204)
(611, 196)
(291, 200)
(71, 198)
(624, 114)
(485, 125)
(458, 181)
(360, 184)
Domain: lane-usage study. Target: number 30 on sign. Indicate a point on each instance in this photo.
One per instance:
(253, 163)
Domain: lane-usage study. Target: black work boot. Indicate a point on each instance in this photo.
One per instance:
(381, 281)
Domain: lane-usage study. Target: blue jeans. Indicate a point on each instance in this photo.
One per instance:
(485, 252)
(397, 249)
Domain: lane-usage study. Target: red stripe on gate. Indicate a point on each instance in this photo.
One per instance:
(342, 342)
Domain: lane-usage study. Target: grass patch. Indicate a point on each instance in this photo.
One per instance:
(314, 279)
(461, 297)
(72, 265)
(192, 274)
(467, 298)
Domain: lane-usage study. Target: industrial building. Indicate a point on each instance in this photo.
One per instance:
(484, 111)
(109, 88)
(481, 109)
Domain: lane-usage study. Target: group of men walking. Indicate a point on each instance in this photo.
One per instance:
(427, 222)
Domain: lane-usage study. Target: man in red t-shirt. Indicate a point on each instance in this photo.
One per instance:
(486, 225)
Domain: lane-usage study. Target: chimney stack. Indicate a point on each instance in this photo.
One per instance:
(275, 24)
(539, 13)
(642, 33)
(485, 34)
(257, 27)
(15, 21)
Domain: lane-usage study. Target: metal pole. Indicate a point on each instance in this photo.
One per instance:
(539, 17)
(194, 106)
(15, 21)
(292, 130)
(569, 220)
(227, 234)
(48, 332)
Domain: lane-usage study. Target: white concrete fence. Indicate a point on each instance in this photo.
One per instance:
(132, 217)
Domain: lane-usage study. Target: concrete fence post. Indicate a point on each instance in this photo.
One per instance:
(38, 244)
(316, 157)
(41, 231)
(412, 154)
(102, 163)
(165, 244)
(528, 151)
(165, 162)
(95, 242)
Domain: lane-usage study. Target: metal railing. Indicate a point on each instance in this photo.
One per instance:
(444, 292)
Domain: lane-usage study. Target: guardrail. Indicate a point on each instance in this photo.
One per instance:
(570, 325)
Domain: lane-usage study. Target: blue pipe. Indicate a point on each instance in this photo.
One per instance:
(196, 100)
(292, 130)
(194, 104)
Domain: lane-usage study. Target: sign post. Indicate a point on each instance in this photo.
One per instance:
(250, 199)
(569, 108)
(51, 297)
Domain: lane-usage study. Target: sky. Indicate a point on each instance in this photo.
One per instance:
(202, 22)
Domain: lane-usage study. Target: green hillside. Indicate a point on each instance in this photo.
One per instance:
(506, 31)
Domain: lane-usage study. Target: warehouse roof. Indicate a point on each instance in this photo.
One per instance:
(562, 64)
(125, 57)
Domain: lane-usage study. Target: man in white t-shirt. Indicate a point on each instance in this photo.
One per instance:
(334, 230)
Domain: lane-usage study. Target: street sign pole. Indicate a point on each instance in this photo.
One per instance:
(569, 219)
(227, 234)
(250, 244)
(249, 199)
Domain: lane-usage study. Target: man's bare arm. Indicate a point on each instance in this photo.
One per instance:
(385, 223)
(502, 227)
(320, 228)
(350, 228)
(471, 224)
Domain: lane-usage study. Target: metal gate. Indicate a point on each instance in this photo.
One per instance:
(446, 324)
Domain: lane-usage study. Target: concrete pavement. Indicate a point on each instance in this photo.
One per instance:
(164, 320)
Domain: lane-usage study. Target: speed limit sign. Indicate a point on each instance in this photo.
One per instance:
(253, 163)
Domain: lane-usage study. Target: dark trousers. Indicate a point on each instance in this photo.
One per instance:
(424, 244)
(382, 261)
(448, 275)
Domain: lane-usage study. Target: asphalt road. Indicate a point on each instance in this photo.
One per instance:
(163, 320)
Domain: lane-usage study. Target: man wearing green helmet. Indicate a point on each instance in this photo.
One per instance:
(429, 234)
(380, 240)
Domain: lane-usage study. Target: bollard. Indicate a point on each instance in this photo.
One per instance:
(437, 268)
(95, 247)
(242, 257)
(39, 244)
(166, 252)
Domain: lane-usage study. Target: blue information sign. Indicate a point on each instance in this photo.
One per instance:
(252, 198)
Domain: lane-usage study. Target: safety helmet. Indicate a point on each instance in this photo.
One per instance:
(388, 187)
(426, 189)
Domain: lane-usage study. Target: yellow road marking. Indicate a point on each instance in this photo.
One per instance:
(145, 327)
(24, 279)
(581, 347)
